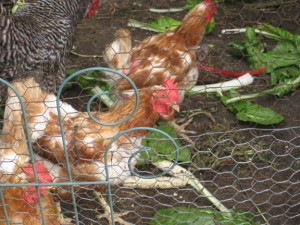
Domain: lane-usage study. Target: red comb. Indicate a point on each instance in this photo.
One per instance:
(210, 11)
(93, 8)
(169, 83)
(42, 172)
(31, 195)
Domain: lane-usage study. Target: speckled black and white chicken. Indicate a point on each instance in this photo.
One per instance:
(39, 37)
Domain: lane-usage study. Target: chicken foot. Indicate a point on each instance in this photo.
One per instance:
(181, 132)
(107, 211)
(61, 218)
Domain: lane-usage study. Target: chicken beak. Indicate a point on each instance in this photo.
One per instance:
(176, 107)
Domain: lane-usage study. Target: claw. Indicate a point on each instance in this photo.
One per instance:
(107, 211)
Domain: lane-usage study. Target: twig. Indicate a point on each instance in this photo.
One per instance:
(197, 113)
(86, 56)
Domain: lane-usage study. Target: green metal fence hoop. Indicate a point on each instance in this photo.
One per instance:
(30, 151)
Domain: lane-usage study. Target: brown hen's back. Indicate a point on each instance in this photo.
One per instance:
(169, 55)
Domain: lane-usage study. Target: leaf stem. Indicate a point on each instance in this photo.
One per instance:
(243, 30)
(259, 211)
(242, 81)
(141, 25)
(85, 56)
(184, 174)
(104, 98)
(295, 83)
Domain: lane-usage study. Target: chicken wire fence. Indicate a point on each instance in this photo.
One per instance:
(233, 170)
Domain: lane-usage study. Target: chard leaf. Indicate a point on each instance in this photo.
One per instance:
(238, 48)
(92, 84)
(185, 216)
(162, 148)
(251, 112)
(191, 4)
(284, 46)
(210, 26)
(272, 60)
(284, 75)
(280, 33)
(161, 24)
(283, 89)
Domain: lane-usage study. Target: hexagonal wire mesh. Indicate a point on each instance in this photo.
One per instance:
(249, 167)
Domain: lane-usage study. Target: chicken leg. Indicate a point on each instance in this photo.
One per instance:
(107, 211)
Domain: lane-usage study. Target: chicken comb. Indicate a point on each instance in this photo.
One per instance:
(42, 172)
(95, 4)
(169, 83)
(210, 11)
(31, 195)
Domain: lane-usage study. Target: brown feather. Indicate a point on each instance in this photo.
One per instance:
(85, 139)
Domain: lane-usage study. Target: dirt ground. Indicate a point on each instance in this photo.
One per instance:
(247, 166)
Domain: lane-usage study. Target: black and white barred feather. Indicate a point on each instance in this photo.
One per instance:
(38, 37)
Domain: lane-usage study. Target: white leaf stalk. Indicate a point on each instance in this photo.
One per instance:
(243, 30)
(159, 182)
(137, 24)
(242, 81)
(166, 10)
(186, 175)
(104, 98)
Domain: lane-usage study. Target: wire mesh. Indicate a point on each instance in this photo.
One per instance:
(248, 167)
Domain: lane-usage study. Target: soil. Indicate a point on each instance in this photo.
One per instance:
(248, 167)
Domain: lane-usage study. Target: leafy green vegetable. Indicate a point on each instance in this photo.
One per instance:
(274, 32)
(162, 148)
(210, 26)
(238, 48)
(191, 4)
(161, 25)
(281, 62)
(278, 90)
(91, 84)
(186, 216)
(251, 112)
(2, 108)
(164, 24)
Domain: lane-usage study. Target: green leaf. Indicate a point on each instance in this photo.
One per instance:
(161, 24)
(279, 33)
(91, 83)
(191, 4)
(284, 46)
(251, 112)
(162, 148)
(210, 26)
(272, 60)
(238, 48)
(186, 216)
(284, 75)
(285, 88)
